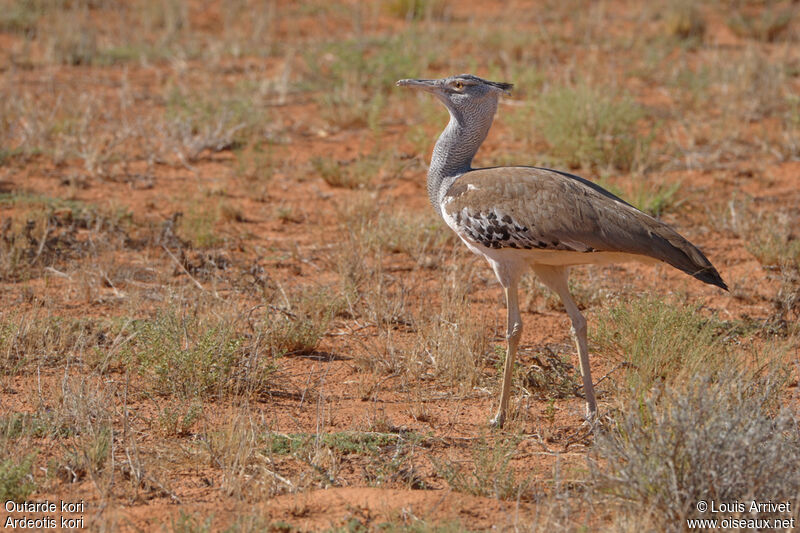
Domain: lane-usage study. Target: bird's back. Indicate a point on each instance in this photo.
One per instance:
(530, 208)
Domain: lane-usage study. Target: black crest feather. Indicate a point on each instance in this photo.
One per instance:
(505, 87)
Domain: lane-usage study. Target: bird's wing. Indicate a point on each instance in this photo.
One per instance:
(537, 208)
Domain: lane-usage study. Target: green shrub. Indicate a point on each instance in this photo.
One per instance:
(489, 473)
(191, 356)
(16, 481)
(660, 341)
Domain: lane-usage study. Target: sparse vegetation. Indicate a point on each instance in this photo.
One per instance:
(297, 328)
(490, 473)
(587, 126)
(663, 342)
(695, 443)
(422, 238)
(416, 9)
(770, 237)
(684, 20)
(346, 442)
(198, 224)
(350, 175)
(194, 356)
(551, 376)
(356, 76)
(16, 481)
(453, 342)
(46, 232)
(769, 25)
(199, 123)
(20, 17)
(186, 355)
(49, 341)
(87, 456)
(222, 281)
(653, 197)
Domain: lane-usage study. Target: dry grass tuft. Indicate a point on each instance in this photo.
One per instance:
(771, 24)
(417, 9)
(663, 342)
(722, 440)
(298, 327)
(240, 450)
(771, 236)
(684, 20)
(592, 127)
(186, 355)
(201, 123)
(52, 340)
(452, 343)
(489, 472)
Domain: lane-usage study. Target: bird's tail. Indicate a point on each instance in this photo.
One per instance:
(685, 256)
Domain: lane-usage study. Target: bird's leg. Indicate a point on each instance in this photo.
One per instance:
(513, 334)
(579, 333)
(556, 278)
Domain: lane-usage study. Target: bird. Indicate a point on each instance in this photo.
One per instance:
(527, 217)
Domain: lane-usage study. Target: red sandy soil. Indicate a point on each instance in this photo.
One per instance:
(331, 390)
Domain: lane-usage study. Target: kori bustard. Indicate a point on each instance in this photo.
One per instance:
(529, 217)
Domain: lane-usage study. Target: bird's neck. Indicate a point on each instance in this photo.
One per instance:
(457, 145)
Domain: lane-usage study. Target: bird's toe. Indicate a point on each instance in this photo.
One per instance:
(498, 421)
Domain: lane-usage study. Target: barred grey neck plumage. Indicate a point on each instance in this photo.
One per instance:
(457, 145)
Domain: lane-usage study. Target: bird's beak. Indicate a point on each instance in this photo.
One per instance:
(429, 86)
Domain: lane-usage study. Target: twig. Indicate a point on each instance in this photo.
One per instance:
(281, 479)
(55, 272)
(197, 283)
(350, 332)
(117, 293)
(621, 365)
(283, 311)
(41, 244)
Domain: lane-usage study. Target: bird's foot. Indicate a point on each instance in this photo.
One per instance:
(592, 420)
(498, 421)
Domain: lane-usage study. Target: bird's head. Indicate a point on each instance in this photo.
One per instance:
(461, 92)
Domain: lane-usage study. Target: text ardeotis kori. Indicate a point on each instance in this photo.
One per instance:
(531, 217)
